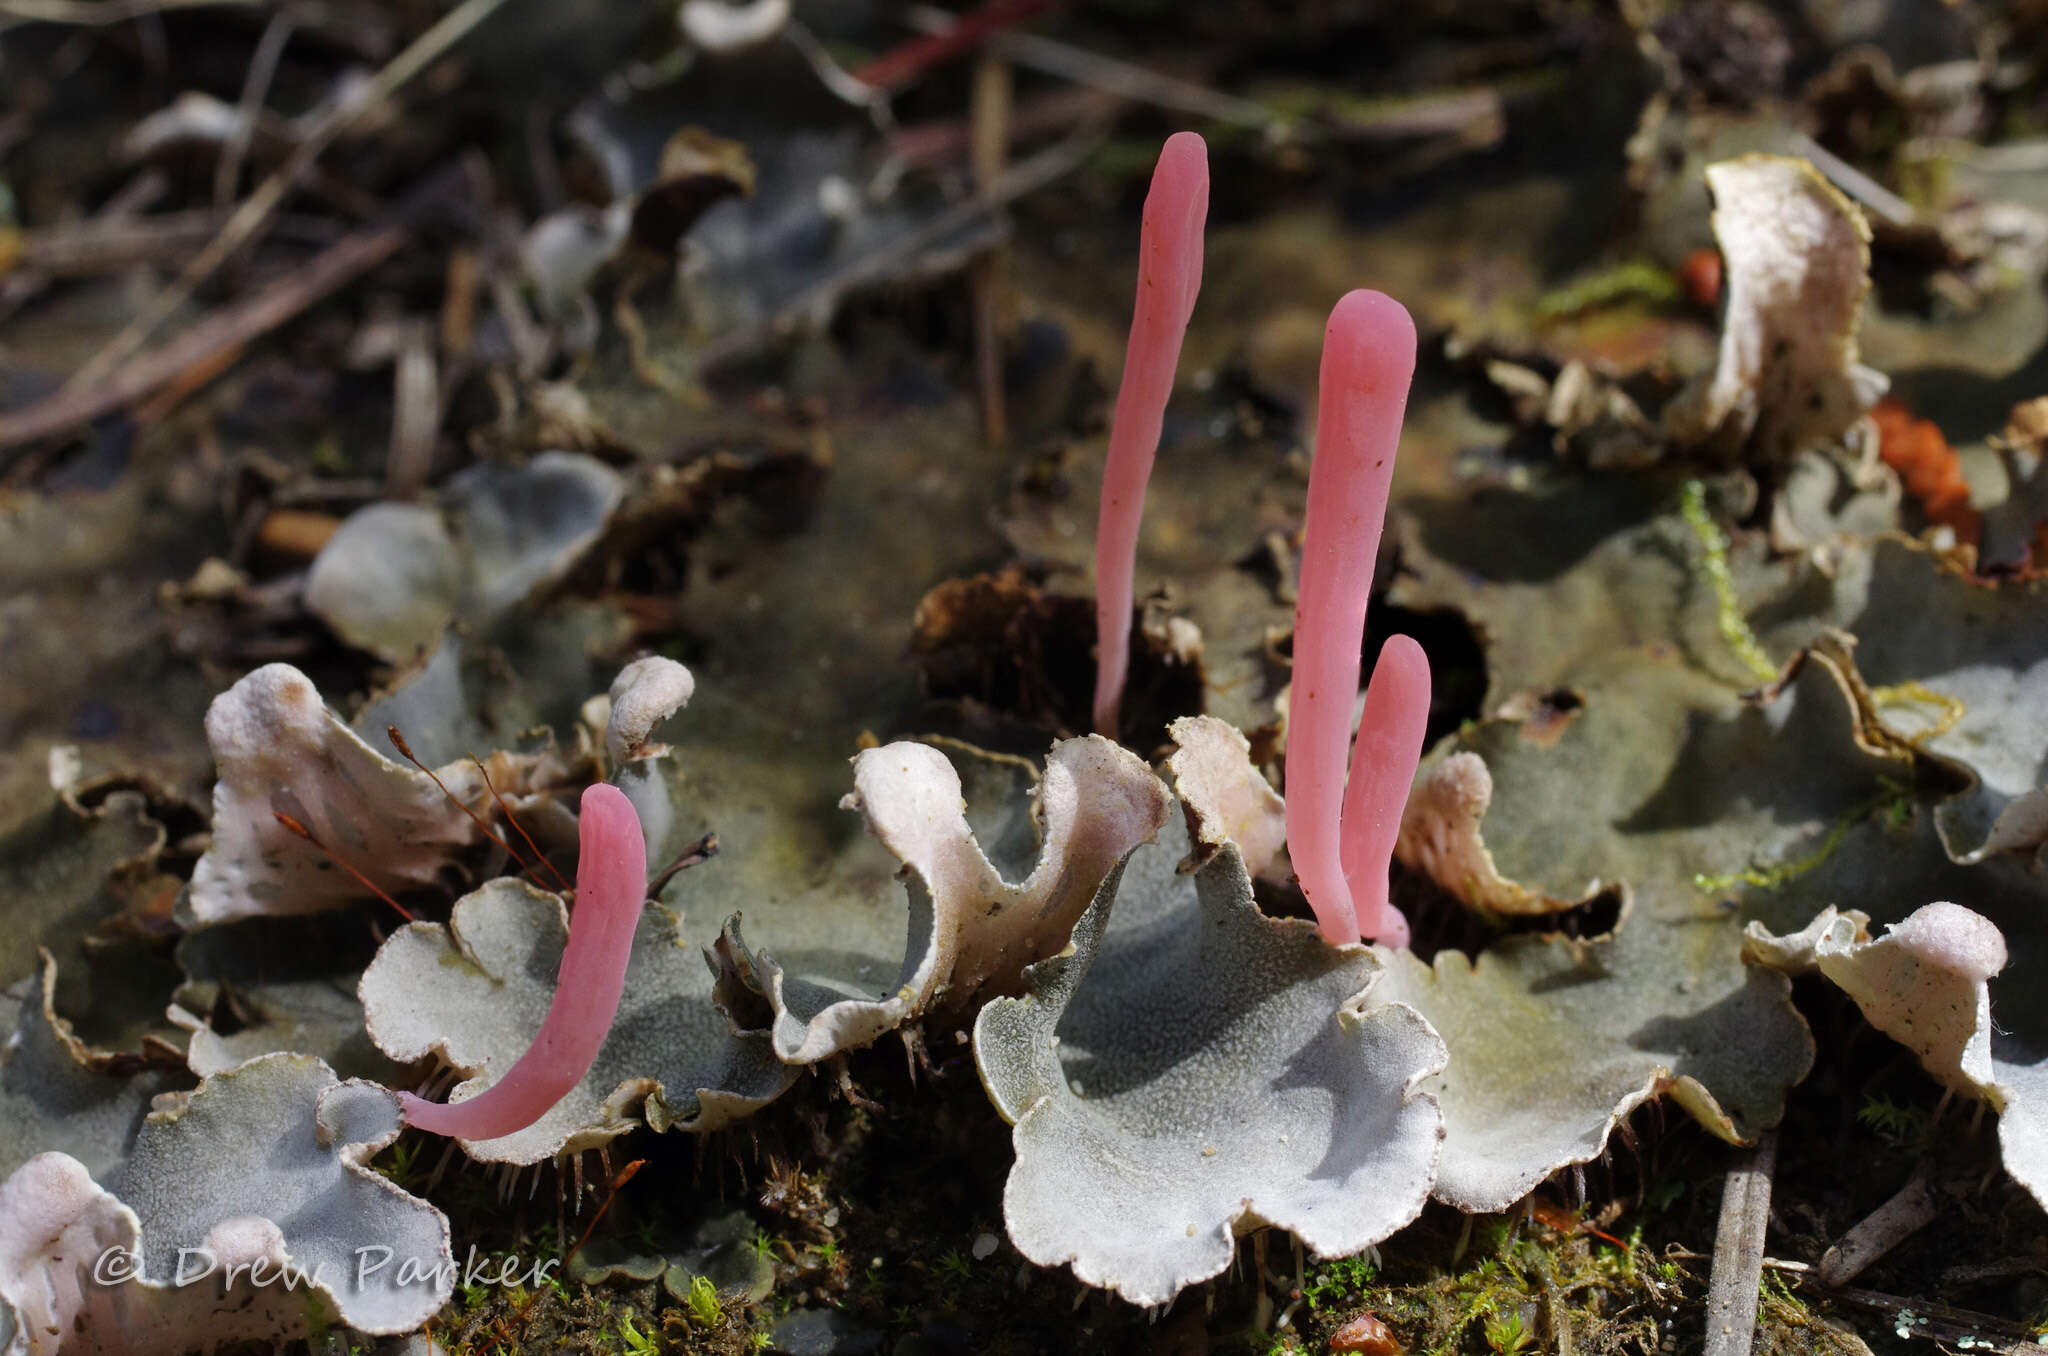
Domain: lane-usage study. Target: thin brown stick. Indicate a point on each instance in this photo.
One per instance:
(227, 172)
(960, 33)
(415, 414)
(990, 140)
(1915, 1206)
(302, 831)
(698, 853)
(100, 13)
(231, 326)
(458, 305)
(624, 1176)
(30, 275)
(1739, 1251)
(250, 218)
(398, 742)
(1122, 78)
(109, 242)
(513, 820)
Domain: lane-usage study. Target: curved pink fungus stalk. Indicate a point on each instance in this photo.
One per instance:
(611, 887)
(1169, 276)
(1368, 362)
(1383, 763)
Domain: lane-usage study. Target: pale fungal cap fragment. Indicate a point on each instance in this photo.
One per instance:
(193, 116)
(1537, 1084)
(1219, 1073)
(1953, 938)
(50, 1211)
(972, 931)
(838, 199)
(721, 27)
(67, 767)
(279, 749)
(1441, 837)
(647, 692)
(388, 580)
(1795, 953)
(1798, 266)
(1226, 798)
(563, 251)
(393, 576)
(88, 1269)
(1923, 983)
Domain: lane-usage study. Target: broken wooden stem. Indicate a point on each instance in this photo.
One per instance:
(1739, 1251)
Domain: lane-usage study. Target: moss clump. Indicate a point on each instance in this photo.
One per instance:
(1512, 1286)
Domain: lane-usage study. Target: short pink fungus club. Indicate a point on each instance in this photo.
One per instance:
(1342, 837)
(611, 887)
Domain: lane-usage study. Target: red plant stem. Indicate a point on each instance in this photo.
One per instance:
(1383, 764)
(513, 820)
(611, 887)
(1368, 362)
(1169, 276)
(397, 739)
(901, 65)
(302, 831)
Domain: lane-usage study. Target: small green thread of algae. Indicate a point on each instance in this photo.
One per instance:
(1907, 694)
(1632, 281)
(1893, 795)
(1728, 611)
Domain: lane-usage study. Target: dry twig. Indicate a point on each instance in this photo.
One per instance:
(255, 89)
(250, 218)
(101, 13)
(991, 145)
(227, 329)
(1739, 1251)
(1122, 78)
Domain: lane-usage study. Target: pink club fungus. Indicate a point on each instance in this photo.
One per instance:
(1169, 276)
(611, 886)
(1383, 762)
(1342, 842)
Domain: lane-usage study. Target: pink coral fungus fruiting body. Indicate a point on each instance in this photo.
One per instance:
(1169, 276)
(1368, 362)
(1383, 764)
(611, 887)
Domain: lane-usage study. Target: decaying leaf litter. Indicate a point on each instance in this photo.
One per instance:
(523, 384)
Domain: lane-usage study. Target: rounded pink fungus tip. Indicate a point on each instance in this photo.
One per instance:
(611, 885)
(1169, 276)
(1368, 363)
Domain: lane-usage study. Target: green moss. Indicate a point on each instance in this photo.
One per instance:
(1786, 1324)
(1713, 541)
(1338, 1280)
(1632, 282)
(634, 1342)
(1514, 1291)
(703, 1303)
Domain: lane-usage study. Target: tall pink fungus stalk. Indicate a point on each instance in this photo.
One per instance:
(1169, 276)
(1342, 842)
(611, 886)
